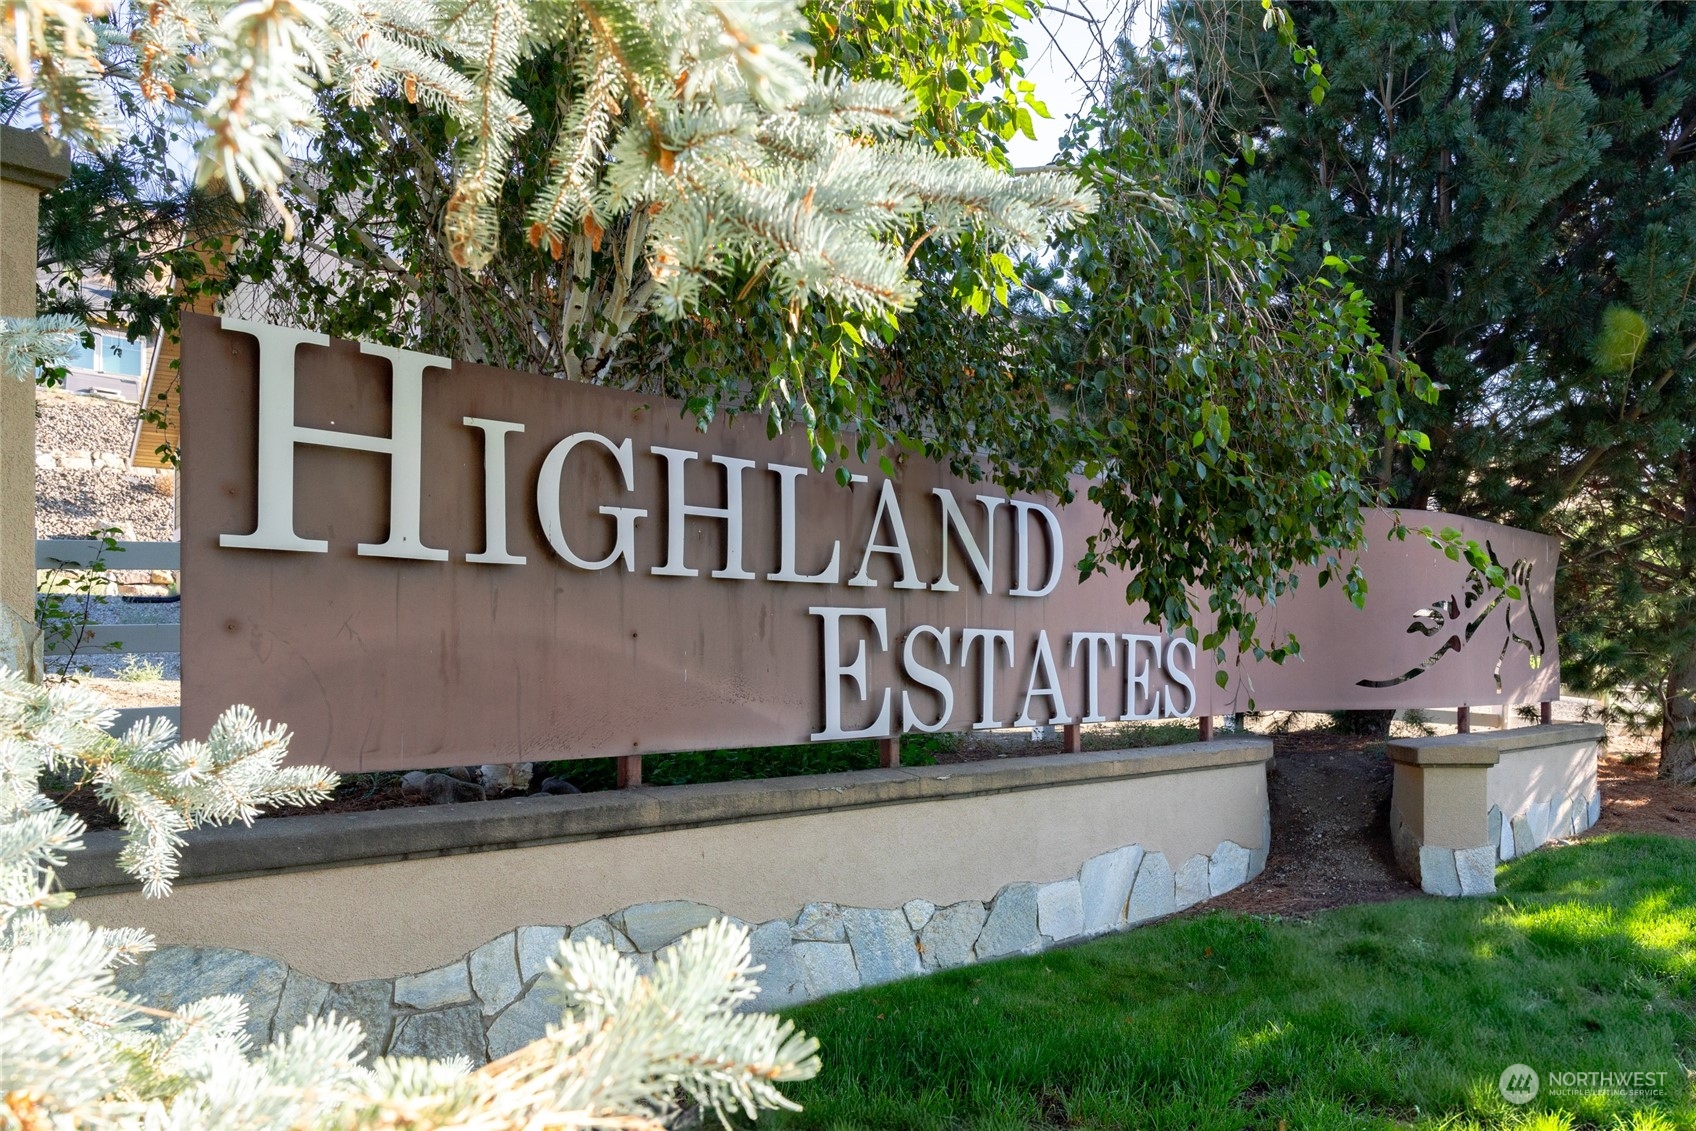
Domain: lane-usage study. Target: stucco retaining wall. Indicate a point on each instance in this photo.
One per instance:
(1463, 803)
(436, 935)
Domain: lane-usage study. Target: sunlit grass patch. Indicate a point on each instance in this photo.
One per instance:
(1399, 1014)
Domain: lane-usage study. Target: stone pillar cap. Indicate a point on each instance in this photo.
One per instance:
(1487, 748)
(30, 157)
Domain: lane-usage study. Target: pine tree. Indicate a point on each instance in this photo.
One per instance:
(990, 375)
(73, 1052)
(1518, 180)
(688, 138)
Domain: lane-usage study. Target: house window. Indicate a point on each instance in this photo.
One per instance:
(111, 354)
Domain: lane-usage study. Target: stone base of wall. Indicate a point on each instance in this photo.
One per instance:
(495, 999)
(1442, 871)
(1558, 818)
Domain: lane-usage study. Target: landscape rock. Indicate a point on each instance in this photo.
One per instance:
(819, 922)
(601, 931)
(1011, 927)
(1228, 869)
(651, 925)
(1495, 824)
(1505, 849)
(883, 945)
(1153, 893)
(536, 947)
(504, 779)
(1537, 820)
(1523, 838)
(1105, 882)
(1190, 887)
(1476, 868)
(1594, 809)
(825, 967)
(438, 789)
(302, 997)
(1257, 855)
(949, 937)
(441, 1034)
(918, 912)
(1060, 910)
(494, 972)
(174, 976)
(1437, 873)
(557, 785)
(433, 989)
(782, 982)
(525, 1020)
(367, 1003)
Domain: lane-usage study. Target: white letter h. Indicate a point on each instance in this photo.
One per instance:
(278, 435)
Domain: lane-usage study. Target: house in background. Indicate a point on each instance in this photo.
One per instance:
(113, 366)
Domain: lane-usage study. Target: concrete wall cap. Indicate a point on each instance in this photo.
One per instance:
(29, 157)
(1487, 748)
(340, 839)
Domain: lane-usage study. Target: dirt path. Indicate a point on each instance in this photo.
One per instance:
(1330, 799)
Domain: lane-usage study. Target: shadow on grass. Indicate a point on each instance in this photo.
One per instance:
(1377, 1016)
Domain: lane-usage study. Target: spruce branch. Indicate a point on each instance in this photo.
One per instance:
(74, 1051)
(700, 120)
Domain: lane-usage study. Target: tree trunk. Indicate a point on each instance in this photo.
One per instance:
(1678, 724)
(1366, 724)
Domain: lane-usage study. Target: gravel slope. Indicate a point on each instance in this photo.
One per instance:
(71, 501)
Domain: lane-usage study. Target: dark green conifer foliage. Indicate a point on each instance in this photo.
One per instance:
(1518, 179)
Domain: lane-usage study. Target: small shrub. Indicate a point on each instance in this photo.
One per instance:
(137, 670)
(64, 606)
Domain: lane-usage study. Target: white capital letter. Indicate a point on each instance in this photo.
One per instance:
(1136, 678)
(678, 511)
(991, 637)
(1095, 644)
(1022, 511)
(1180, 677)
(888, 505)
(624, 518)
(927, 677)
(983, 563)
(836, 673)
(786, 571)
(278, 435)
(1043, 661)
(494, 491)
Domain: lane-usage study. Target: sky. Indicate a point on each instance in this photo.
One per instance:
(1062, 31)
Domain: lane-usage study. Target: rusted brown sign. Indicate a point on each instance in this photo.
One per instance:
(415, 562)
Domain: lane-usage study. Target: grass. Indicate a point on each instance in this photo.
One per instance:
(1387, 1015)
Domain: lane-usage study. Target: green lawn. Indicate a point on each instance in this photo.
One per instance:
(1377, 1016)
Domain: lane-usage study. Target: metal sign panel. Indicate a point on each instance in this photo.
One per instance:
(415, 562)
